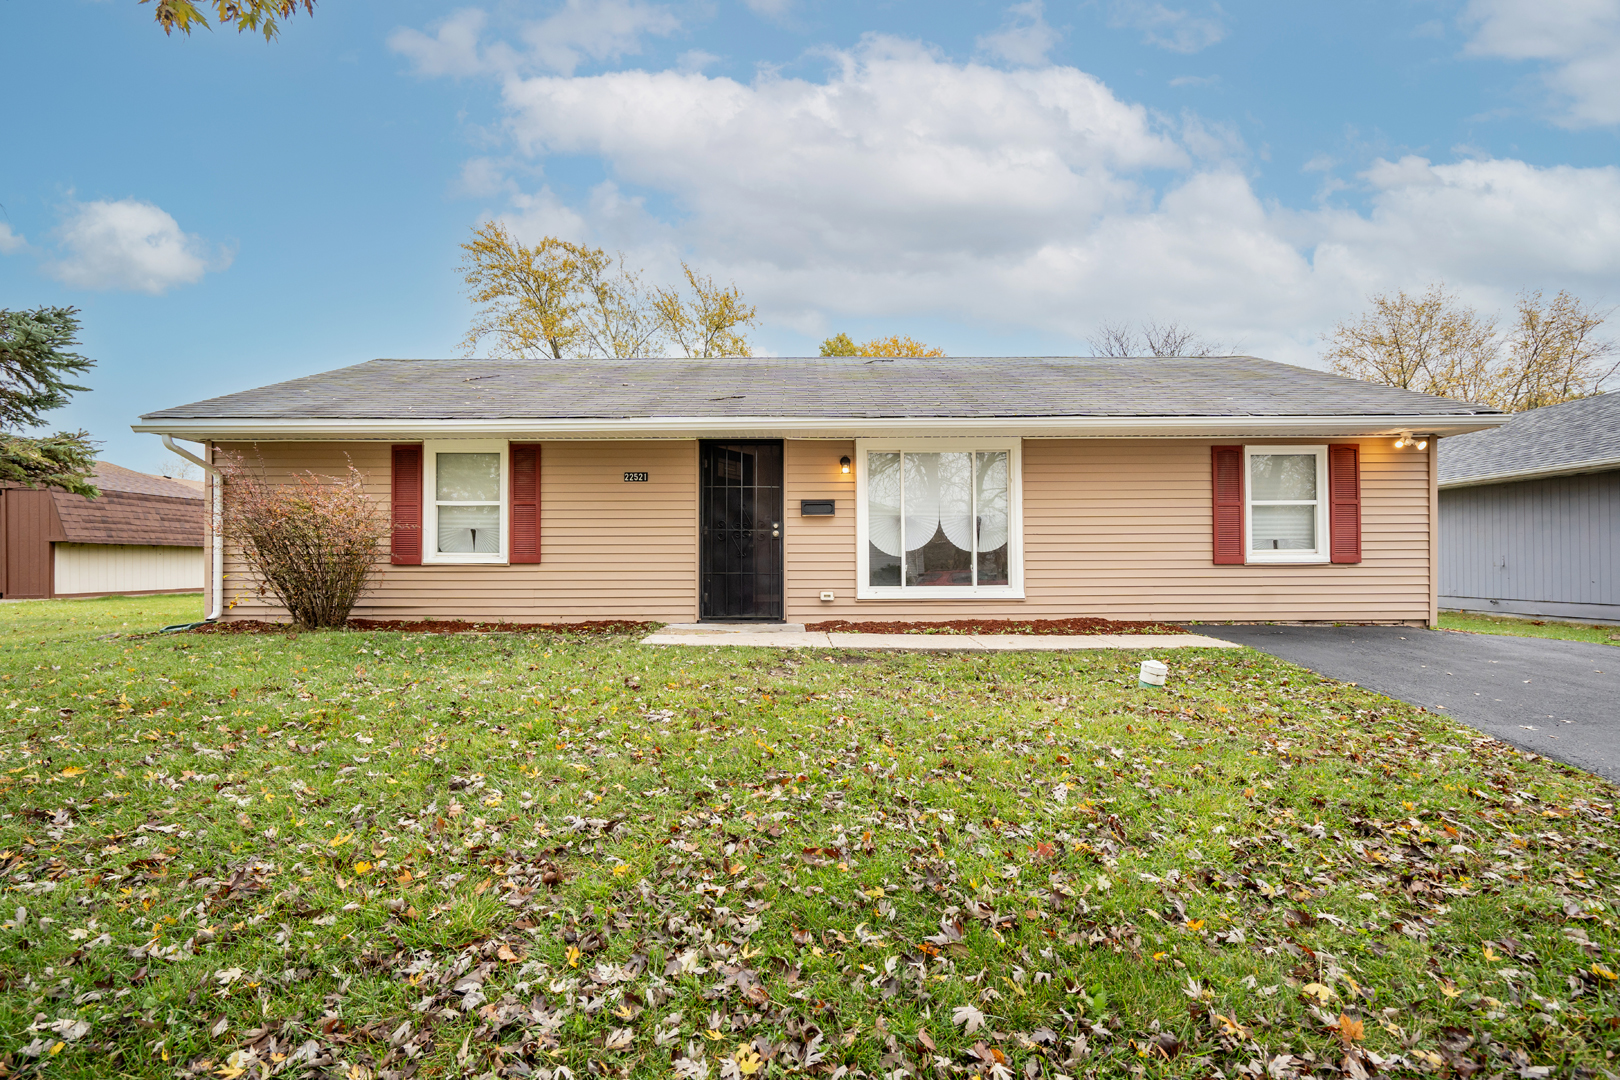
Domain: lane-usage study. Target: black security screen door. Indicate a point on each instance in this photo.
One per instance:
(740, 507)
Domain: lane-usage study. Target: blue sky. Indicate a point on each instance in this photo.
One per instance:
(994, 178)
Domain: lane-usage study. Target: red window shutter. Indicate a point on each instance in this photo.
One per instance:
(406, 546)
(525, 530)
(1228, 504)
(1344, 502)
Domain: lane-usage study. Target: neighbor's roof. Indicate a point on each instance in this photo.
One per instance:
(134, 508)
(110, 477)
(669, 395)
(1577, 436)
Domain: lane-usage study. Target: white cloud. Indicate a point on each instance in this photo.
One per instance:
(10, 241)
(904, 185)
(452, 50)
(129, 245)
(1499, 223)
(482, 177)
(596, 30)
(771, 9)
(1025, 39)
(579, 30)
(1176, 29)
(695, 60)
(1578, 41)
(898, 143)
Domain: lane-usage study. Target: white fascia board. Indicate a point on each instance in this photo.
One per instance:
(1601, 465)
(1050, 427)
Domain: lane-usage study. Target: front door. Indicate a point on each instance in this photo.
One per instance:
(740, 549)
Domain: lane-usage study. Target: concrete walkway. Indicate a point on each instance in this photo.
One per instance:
(794, 636)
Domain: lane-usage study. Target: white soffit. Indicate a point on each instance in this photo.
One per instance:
(1071, 427)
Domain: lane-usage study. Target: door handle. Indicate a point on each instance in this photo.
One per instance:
(776, 530)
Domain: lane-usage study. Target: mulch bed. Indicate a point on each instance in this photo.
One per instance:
(438, 626)
(996, 626)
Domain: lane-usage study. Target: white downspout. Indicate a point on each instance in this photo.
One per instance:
(216, 594)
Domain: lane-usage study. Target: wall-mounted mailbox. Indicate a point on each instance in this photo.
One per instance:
(816, 507)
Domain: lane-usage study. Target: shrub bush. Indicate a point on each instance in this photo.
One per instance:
(315, 543)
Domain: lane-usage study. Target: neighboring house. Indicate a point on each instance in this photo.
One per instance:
(1530, 514)
(865, 489)
(143, 535)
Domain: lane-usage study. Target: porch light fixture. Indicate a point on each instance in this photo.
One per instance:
(843, 465)
(1408, 439)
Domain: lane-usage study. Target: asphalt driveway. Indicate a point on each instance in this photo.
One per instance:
(1558, 698)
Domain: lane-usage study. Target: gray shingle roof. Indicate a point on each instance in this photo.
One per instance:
(822, 387)
(1558, 438)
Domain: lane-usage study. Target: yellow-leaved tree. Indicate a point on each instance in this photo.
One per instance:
(1435, 344)
(558, 299)
(1552, 354)
(705, 322)
(897, 345)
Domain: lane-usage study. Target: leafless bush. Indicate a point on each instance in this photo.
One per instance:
(313, 542)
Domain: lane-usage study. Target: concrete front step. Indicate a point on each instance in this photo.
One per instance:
(734, 628)
(799, 639)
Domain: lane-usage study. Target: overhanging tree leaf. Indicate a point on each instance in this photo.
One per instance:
(248, 15)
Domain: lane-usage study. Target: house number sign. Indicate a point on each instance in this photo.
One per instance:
(635, 478)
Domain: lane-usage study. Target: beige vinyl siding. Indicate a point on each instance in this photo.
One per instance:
(99, 569)
(608, 549)
(1112, 527)
(1120, 528)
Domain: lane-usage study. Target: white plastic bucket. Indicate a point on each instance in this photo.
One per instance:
(1151, 677)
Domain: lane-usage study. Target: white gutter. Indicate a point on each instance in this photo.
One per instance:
(216, 594)
(1601, 465)
(238, 429)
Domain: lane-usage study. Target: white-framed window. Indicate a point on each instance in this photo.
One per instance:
(938, 519)
(1285, 519)
(464, 501)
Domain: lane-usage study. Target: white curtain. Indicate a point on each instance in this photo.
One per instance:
(940, 490)
(883, 502)
(939, 495)
(990, 493)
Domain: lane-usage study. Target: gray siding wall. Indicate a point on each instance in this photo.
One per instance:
(1537, 547)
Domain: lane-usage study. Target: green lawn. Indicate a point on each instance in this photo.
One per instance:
(368, 854)
(1568, 631)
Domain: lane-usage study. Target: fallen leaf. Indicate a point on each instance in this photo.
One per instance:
(1324, 994)
(968, 1018)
